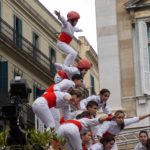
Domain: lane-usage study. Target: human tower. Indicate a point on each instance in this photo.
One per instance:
(78, 123)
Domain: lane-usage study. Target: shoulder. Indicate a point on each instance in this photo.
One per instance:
(139, 146)
(97, 146)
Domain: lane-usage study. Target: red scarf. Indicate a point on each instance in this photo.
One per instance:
(75, 122)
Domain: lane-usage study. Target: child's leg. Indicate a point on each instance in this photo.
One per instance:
(72, 54)
(72, 135)
(41, 109)
(56, 115)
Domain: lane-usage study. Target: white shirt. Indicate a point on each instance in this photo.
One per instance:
(113, 128)
(64, 85)
(67, 27)
(140, 146)
(97, 146)
(88, 123)
(60, 102)
(69, 70)
(84, 102)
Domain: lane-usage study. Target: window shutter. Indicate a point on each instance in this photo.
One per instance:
(144, 58)
(52, 56)
(92, 85)
(37, 92)
(4, 77)
(18, 31)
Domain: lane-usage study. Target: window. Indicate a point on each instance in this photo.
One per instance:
(4, 77)
(17, 31)
(148, 35)
(144, 47)
(0, 14)
(35, 40)
(92, 85)
(52, 56)
(35, 45)
(37, 91)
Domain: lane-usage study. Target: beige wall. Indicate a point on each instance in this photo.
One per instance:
(126, 58)
(86, 51)
(27, 11)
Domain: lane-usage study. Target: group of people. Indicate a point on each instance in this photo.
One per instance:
(79, 123)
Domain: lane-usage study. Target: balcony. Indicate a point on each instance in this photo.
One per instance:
(25, 49)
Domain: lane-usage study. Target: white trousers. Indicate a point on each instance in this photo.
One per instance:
(56, 115)
(72, 54)
(71, 133)
(42, 111)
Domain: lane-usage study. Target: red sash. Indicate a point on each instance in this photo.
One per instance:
(64, 37)
(51, 98)
(50, 89)
(75, 122)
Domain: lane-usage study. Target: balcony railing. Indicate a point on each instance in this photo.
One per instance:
(30, 115)
(25, 46)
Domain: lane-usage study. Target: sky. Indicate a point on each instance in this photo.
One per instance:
(86, 8)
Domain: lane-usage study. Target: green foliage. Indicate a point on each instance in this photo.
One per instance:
(37, 140)
(45, 139)
(2, 139)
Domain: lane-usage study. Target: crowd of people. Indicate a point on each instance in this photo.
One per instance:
(78, 122)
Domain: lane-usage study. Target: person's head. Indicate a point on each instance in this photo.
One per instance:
(104, 95)
(76, 96)
(107, 142)
(86, 137)
(143, 137)
(92, 107)
(84, 65)
(73, 17)
(84, 114)
(78, 80)
(60, 75)
(119, 118)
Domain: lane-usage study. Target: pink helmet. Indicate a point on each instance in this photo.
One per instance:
(84, 64)
(73, 15)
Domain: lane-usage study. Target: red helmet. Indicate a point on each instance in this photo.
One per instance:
(62, 74)
(73, 15)
(84, 64)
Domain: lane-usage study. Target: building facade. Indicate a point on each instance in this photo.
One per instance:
(92, 76)
(120, 45)
(123, 32)
(28, 36)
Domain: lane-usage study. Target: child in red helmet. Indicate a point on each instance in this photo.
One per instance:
(81, 67)
(66, 35)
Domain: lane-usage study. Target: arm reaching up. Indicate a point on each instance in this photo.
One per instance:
(57, 13)
(144, 116)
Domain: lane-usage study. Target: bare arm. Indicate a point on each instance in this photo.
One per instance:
(105, 118)
(57, 13)
(61, 18)
(144, 116)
